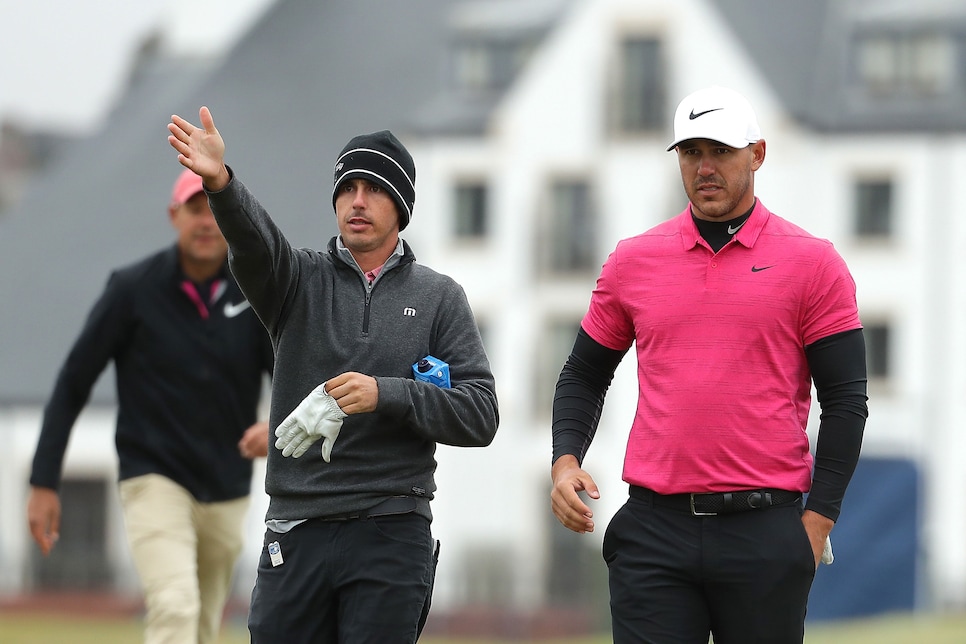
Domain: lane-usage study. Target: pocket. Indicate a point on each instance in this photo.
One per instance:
(805, 545)
(285, 541)
(427, 604)
(411, 529)
(608, 548)
(284, 547)
(133, 488)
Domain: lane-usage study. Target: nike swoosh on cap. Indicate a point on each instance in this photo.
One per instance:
(231, 310)
(693, 115)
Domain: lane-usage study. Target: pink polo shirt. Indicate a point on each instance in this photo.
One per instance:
(724, 387)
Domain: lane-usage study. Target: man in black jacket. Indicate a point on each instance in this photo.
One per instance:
(190, 357)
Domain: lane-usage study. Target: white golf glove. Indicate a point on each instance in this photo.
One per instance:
(827, 557)
(317, 416)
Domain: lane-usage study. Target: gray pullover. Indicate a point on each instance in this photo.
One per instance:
(324, 320)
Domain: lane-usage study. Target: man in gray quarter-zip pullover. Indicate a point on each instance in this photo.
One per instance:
(348, 555)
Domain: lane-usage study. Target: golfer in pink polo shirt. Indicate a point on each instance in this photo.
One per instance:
(735, 313)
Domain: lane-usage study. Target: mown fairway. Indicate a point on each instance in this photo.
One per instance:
(39, 628)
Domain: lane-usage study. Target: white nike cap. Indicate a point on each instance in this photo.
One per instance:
(716, 113)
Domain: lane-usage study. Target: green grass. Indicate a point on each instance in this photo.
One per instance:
(894, 629)
(57, 629)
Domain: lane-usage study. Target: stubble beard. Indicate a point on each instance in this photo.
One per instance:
(719, 210)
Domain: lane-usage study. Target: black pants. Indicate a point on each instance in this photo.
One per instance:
(360, 581)
(676, 578)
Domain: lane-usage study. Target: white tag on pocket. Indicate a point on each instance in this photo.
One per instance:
(275, 552)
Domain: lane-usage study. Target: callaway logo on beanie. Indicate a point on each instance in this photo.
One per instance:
(380, 158)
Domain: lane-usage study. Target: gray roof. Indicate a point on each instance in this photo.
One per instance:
(304, 80)
(459, 111)
(807, 50)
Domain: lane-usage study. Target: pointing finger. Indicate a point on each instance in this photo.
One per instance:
(207, 121)
(182, 124)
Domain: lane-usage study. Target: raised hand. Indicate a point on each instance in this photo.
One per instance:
(200, 149)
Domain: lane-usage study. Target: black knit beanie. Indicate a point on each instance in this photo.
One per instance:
(380, 158)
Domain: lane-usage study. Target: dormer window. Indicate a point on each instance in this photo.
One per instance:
(487, 65)
(907, 63)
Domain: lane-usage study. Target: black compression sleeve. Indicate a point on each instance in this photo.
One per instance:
(838, 370)
(579, 396)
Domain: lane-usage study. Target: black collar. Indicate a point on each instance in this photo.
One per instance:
(719, 233)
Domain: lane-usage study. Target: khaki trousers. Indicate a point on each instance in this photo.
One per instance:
(184, 552)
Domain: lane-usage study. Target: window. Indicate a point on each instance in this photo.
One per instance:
(489, 64)
(470, 209)
(568, 242)
(919, 62)
(873, 207)
(640, 86)
(877, 339)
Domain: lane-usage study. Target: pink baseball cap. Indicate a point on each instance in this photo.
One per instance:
(186, 186)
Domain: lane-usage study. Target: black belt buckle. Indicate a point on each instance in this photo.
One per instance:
(731, 502)
(759, 500)
(694, 512)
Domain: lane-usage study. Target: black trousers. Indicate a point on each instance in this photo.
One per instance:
(357, 581)
(676, 578)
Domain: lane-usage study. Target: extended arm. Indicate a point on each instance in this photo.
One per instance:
(261, 259)
(577, 405)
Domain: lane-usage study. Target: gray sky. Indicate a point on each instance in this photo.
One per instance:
(63, 64)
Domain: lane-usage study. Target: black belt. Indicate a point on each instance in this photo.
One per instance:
(392, 505)
(714, 503)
